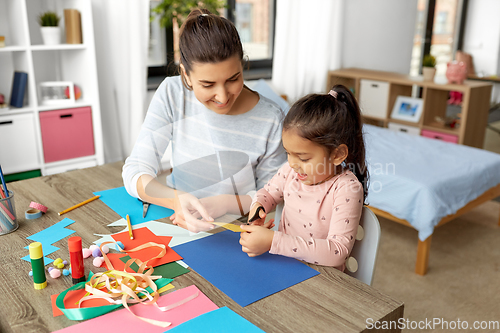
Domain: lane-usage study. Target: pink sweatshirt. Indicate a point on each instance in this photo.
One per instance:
(319, 222)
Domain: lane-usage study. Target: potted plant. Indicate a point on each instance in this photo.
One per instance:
(429, 67)
(49, 23)
(172, 13)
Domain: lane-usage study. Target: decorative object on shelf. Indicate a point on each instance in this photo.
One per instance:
(3, 105)
(18, 89)
(78, 92)
(429, 67)
(456, 72)
(73, 26)
(54, 93)
(407, 108)
(2, 41)
(172, 14)
(51, 33)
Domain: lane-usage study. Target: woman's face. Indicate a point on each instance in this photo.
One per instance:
(217, 85)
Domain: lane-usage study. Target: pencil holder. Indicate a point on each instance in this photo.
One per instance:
(8, 220)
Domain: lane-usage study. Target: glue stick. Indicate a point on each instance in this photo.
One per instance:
(37, 265)
(76, 259)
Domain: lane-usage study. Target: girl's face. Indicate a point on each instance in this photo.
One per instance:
(217, 85)
(310, 160)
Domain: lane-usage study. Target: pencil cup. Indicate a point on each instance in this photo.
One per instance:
(8, 220)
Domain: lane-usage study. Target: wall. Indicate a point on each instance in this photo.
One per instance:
(482, 35)
(379, 34)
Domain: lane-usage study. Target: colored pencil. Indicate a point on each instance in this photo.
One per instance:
(129, 228)
(2, 179)
(79, 205)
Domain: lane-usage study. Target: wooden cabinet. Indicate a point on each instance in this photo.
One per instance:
(377, 93)
(75, 63)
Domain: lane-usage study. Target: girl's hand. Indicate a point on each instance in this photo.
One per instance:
(185, 205)
(262, 215)
(257, 239)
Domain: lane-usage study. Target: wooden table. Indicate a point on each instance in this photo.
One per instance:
(329, 302)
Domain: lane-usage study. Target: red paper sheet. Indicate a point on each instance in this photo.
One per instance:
(144, 235)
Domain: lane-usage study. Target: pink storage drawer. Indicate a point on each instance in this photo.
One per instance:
(440, 136)
(67, 134)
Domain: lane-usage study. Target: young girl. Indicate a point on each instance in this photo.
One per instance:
(226, 138)
(323, 185)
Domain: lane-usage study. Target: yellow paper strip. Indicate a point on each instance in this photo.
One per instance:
(229, 226)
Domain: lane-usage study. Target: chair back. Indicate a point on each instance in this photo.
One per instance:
(361, 263)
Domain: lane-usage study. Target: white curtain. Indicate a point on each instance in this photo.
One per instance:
(307, 44)
(121, 29)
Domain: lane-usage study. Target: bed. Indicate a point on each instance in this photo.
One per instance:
(424, 183)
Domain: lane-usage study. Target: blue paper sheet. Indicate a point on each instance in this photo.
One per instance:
(49, 236)
(220, 261)
(223, 320)
(122, 203)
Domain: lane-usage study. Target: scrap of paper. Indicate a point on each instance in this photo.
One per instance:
(229, 226)
(123, 203)
(48, 236)
(219, 260)
(123, 321)
(223, 320)
(179, 235)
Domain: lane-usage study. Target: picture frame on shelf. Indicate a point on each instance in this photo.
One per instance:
(407, 108)
(57, 92)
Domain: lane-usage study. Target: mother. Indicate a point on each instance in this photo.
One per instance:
(226, 138)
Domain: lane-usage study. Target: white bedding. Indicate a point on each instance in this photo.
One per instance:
(422, 180)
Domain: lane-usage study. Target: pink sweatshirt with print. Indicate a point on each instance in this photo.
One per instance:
(319, 222)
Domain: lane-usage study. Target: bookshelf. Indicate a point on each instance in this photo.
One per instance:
(29, 138)
(377, 92)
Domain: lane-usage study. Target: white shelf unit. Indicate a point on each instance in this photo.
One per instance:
(75, 63)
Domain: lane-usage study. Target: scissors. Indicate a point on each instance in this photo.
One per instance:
(145, 207)
(256, 216)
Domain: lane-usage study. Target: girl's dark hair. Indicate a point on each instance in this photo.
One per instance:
(331, 121)
(207, 38)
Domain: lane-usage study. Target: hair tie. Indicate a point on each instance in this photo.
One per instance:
(203, 14)
(333, 93)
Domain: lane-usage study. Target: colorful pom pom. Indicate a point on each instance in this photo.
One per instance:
(60, 265)
(98, 261)
(119, 246)
(57, 262)
(65, 272)
(50, 268)
(96, 253)
(55, 273)
(30, 273)
(65, 262)
(105, 249)
(86, 253)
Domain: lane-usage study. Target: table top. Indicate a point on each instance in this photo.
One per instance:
(330, 301)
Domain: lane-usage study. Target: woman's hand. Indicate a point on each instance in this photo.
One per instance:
(257, 239)
(262, 215)
(186, 207)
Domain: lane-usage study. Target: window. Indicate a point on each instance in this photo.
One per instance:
(254, 20)
(439, 31)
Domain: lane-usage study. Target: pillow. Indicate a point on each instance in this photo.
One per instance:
(265, 90)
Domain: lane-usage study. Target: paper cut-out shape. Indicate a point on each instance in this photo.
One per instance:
(122, 203)
(219, 260)
(123, 321)
(223, 320)
(48, 236)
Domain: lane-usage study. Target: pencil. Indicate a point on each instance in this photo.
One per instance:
(129, 228)
(2, 179)
(78, 205)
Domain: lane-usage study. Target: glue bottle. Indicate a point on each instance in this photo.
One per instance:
(37, 265)
(76, 259)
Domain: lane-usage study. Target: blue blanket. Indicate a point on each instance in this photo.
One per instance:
(422, 180)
